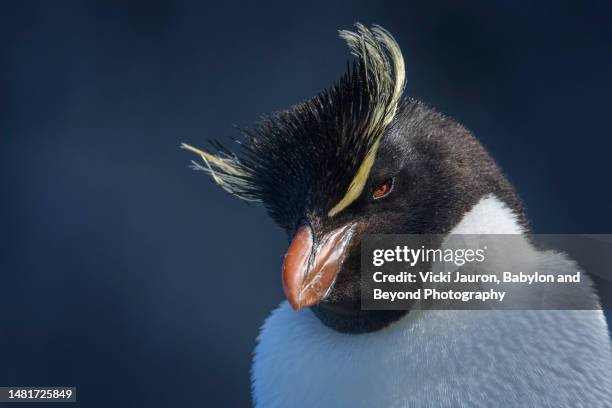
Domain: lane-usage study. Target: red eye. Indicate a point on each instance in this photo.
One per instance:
(383, 189)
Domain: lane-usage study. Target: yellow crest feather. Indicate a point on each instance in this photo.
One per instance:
(225, 171)
(384, 65)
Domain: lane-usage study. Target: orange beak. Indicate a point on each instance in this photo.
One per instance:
(309, 269)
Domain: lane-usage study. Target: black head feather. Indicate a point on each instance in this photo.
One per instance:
(306, 158)
(314, 160)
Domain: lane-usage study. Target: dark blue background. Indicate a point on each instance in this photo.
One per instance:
(137, 280)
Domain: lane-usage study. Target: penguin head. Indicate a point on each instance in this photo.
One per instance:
(356, 159)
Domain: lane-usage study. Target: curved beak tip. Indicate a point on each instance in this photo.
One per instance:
(310, 271)
(295, 306)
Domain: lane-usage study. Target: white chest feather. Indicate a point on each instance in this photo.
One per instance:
(439, 358)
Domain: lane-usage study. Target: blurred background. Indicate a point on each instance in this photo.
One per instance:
(137, 280)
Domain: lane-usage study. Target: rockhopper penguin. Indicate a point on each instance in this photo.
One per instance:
(358, 159)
